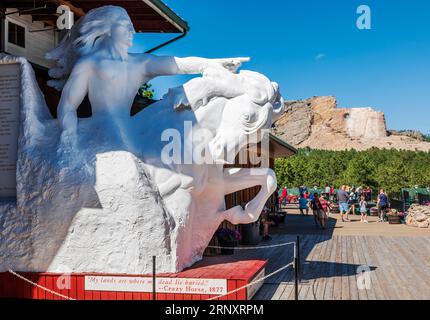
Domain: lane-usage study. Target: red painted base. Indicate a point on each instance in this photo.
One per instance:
(237, 274)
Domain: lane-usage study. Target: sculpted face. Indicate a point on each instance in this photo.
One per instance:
(122, 32)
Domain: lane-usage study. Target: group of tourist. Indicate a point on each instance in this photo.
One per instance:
(320, 207)
(348, 198)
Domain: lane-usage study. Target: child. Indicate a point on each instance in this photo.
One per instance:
(363, 209)
(303, 204)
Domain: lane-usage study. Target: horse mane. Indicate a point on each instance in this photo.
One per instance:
(219, 83)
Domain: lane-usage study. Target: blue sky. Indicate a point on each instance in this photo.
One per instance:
(313, 47)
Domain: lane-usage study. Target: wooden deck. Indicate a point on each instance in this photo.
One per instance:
(397, 258)
(399, 268)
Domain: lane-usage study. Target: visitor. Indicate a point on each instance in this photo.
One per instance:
(363, 209)
(368, 193)
(352, 200)
(327, 192)
(266, 222)
(317, 211)
(342, 198)
(284, 196)
(275, 199)
(331, 194)
(310, 196)
(359, 192)
(382, 205)
(325, 205)
(303, 205)
(303, 189)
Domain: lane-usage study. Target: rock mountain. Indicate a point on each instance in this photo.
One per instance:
(318, 123)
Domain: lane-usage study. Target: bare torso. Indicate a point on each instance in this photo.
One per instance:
(120, 81)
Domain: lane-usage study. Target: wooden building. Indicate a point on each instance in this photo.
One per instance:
(277, 149)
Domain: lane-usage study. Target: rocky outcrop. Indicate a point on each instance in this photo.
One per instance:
(296, 127)
(409, 133)
(318, 123)
(418, 216)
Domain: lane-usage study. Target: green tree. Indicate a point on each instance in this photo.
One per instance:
(389, 169)
(145, 91)
(360, 171)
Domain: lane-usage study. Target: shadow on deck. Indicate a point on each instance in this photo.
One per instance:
(312, 268)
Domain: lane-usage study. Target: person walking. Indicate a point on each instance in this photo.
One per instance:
(382, 205)
(342, 198)
(284, 196)
(363, 209)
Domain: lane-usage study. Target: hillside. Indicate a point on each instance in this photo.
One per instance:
(318, 123)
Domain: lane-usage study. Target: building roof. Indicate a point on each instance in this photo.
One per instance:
(280, 148)
(148, 16)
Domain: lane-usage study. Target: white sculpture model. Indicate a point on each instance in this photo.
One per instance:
(102, 194)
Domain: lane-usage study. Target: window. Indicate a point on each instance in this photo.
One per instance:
(16, 34)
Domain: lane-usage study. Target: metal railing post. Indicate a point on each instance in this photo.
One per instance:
(296, 272)
(299, 264)
(154, 283)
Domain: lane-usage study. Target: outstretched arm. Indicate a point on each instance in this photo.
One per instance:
(73, 93)
(168, 65)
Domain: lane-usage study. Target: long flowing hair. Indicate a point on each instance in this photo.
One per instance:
(84, 38)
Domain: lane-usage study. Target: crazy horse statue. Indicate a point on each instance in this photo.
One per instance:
(106, 193)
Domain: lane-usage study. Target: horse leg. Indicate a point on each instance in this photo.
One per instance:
(243, 178)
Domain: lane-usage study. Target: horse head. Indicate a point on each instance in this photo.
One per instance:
(232, 107)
